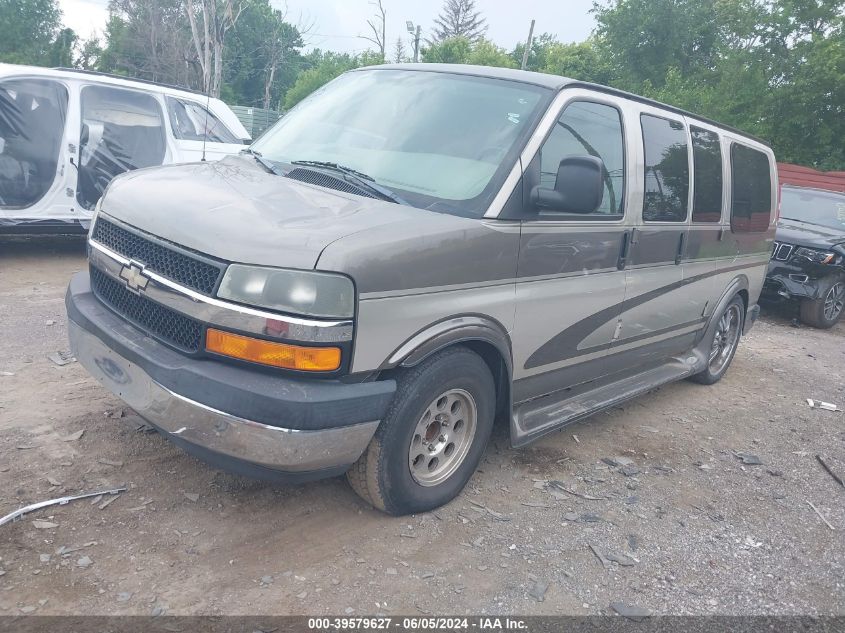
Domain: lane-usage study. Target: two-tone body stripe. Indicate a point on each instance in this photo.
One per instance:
(565, 345)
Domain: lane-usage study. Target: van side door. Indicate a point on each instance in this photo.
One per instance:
(35, 161)
(660, 316)
(708, 246)
(570, 283)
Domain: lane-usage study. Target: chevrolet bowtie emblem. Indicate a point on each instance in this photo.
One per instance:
(133, 275)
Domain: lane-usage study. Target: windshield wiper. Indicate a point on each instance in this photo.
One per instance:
(365, 181)
(259, 158)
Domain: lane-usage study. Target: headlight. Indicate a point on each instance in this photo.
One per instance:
(302, 292)
(818, 257)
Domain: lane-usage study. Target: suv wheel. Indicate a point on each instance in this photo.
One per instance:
(723, 342)
(826, 311)
(433, 436)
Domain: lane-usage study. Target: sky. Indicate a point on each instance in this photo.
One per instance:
(337, 24)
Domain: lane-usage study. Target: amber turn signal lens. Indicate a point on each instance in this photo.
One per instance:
(272, 354)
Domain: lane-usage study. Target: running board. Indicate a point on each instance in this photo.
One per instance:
(536, 418)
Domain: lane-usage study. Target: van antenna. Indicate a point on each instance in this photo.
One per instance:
(205, 125)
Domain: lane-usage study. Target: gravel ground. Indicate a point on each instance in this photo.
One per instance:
(650, 504)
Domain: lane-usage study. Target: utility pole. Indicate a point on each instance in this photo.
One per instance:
(416, 33)
(528, 46)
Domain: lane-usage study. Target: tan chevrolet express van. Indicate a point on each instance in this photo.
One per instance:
(412, 253)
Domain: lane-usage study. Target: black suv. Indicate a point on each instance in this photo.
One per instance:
(808, 259)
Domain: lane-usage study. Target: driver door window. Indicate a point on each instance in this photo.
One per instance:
(588, 129)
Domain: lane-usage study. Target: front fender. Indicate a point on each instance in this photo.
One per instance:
(448, 332)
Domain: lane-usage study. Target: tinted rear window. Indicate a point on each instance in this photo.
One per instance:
(751, 189)
(707, 176)
(666, 170)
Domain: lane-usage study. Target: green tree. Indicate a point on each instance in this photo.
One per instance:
(486, 53)
(62, 48)
(461, 50)
(150, 39)
(775, 69)
(262, 57)
(644, 39)
(805, 116)
(579, 61)
(452, 50)
(540, 46)
(459, 18)
(28, 30)
(89, 54)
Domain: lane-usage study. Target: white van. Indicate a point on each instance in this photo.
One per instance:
(64, 134)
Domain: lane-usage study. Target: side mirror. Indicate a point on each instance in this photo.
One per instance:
(579, 186)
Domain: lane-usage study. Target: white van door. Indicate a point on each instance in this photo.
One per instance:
(36, 178)
(198, 133)
(121, 130)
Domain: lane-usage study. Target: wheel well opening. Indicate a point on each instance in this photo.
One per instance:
(744, 295)
(493, 358)
(490, 354)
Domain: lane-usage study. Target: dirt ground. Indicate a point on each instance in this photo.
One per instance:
(687, 529)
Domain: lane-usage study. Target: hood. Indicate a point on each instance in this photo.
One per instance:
(806, 234)
(235, 210)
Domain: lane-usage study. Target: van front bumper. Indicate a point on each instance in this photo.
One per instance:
(237, 418)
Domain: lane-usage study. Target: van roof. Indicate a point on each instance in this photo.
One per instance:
(218, 107)
(147, 82)
(556, 83)
(106, 78)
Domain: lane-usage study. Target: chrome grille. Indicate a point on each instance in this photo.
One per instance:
(781, 252)
(195, 273)
(163, 323)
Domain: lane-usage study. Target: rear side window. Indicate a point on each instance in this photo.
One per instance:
(707, 176)
(666, 170)
(193, 122)
(751, 190)
(588, 129)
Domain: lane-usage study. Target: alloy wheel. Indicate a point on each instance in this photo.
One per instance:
(442, 437)
(725, 339)
(834, 301)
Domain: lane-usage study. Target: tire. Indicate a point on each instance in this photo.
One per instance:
(724, 334)
(390, 474)
(826, 311)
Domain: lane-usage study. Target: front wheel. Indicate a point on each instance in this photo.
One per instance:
(826, 311)
(433, 436)
(723, 343)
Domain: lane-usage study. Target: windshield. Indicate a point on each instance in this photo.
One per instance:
(440, 141)
(826, 208)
